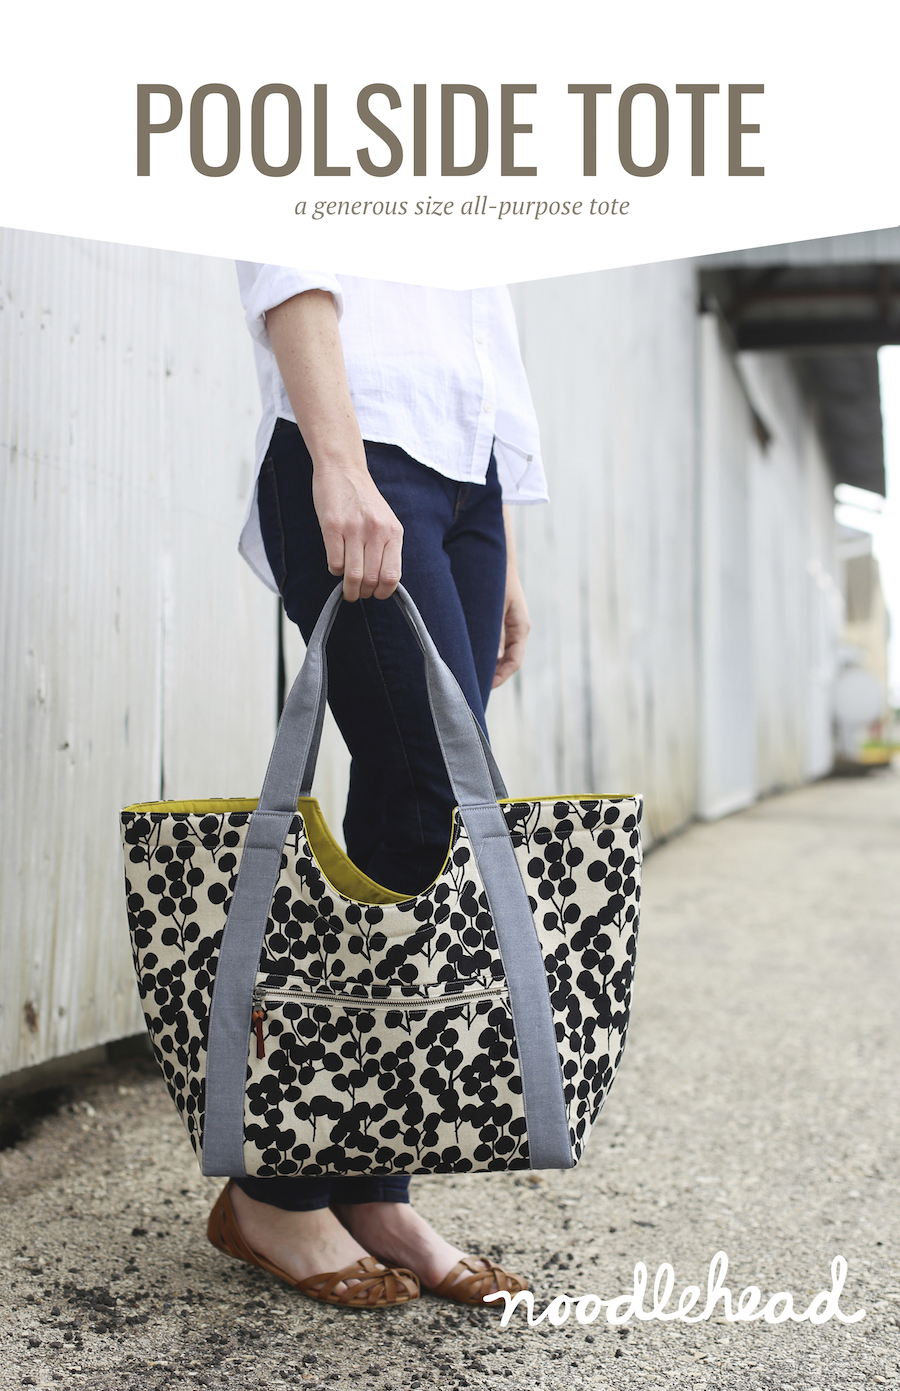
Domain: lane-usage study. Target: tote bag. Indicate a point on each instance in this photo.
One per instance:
(309, 1021)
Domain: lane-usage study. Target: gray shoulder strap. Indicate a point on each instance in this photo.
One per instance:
(476, 784)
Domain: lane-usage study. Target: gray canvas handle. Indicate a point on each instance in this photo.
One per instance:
(473, 772)
(476, 785)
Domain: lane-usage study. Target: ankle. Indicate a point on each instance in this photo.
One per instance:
(391, 1215)
(260, 1214)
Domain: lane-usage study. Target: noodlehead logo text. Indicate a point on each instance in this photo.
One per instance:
(778, 1309)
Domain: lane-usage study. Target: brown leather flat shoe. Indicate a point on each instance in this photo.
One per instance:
(378, 1286)
(472, 1288)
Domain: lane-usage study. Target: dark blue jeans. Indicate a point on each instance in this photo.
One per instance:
(398, 819)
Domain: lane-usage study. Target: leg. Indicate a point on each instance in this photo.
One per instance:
(433, 511)
(476, 547)
(289, 1220)
(398, 819)
(454, 568)
(290, 1223)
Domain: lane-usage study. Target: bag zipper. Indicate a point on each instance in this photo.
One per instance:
(262, 993)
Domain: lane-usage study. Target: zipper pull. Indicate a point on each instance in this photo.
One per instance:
(257, 1018)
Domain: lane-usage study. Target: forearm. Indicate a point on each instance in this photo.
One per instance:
(516, 623)
(362, 537)
(304, 335)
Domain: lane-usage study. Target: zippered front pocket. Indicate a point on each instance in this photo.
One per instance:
(392, 1083)
(402, 1003)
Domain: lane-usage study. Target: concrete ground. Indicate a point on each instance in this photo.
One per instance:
(755, 1113)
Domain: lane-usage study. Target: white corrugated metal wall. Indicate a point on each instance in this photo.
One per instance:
(134, 644)
(796, 603)
(607, 700)
(680, 582)
(767, 613)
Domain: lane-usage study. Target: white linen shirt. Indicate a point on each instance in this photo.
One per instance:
(437, 372)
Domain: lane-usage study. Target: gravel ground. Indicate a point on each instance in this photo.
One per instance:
(755, 1113)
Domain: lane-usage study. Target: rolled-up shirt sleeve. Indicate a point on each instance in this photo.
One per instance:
(438, 373)
(264, 286)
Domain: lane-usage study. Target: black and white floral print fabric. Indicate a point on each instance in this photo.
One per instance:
(383, 1040)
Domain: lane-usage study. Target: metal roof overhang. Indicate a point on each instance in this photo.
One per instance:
(831, 304)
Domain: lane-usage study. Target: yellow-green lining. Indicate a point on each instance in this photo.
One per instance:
(340, 872)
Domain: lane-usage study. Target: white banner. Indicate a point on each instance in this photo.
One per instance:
(454, 145)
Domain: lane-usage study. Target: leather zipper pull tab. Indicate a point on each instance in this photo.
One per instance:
(257, 1017)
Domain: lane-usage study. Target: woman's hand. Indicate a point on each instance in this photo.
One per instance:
(516, 623)
(363, 539)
